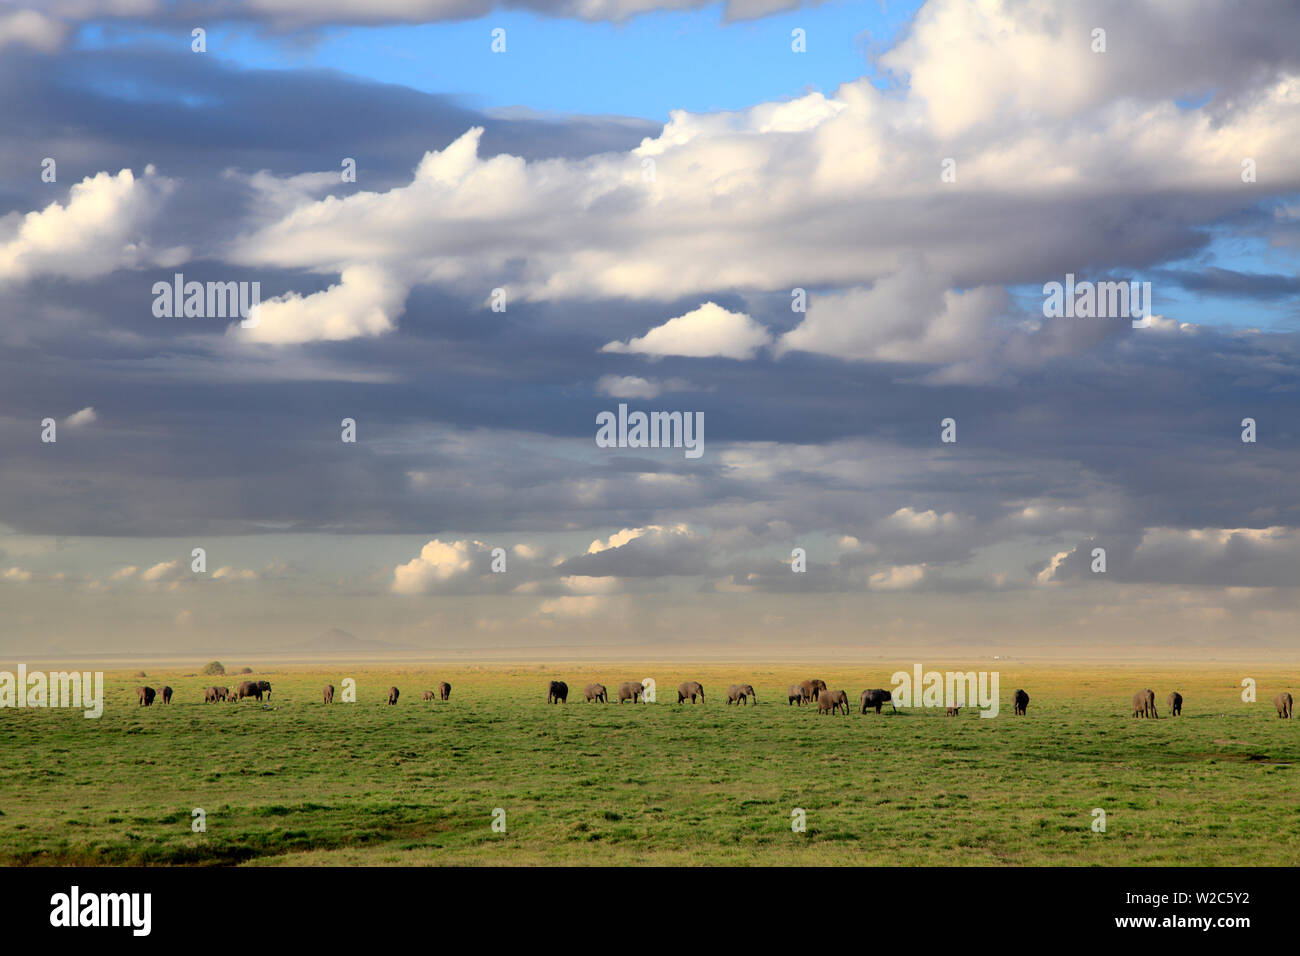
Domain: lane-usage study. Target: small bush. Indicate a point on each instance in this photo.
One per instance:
(213, 667)
(141, 674)
(245, 670)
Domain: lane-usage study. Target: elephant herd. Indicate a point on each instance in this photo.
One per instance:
(805, 692)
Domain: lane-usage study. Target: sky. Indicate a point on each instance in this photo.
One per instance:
(827, 231)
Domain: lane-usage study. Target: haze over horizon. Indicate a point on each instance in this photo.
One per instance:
(649, 242)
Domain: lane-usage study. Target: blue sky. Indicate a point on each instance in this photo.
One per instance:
(643, 67)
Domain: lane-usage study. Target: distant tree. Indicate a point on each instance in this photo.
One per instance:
(213, 667)
(245, 670)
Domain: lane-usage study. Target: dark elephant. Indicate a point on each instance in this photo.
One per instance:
(832, 700)
(558, 693)
(249, 688)
(223, 693)
(393, 693)
(1144, 704)
(1283, 704)
(952, 712)
(630, 690)
(265, 688)
(166, 694)
(597, 692)
(1020, 703)
(1175, 704)
(444, 691)
(328, 694)
(690, 689)
(876, 698)
(741, 694)
(144, 696)
(796, 695)
(429, 695)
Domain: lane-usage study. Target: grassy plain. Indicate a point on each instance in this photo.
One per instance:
(296, 782)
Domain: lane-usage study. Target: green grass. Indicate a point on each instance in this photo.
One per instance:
(368, 784)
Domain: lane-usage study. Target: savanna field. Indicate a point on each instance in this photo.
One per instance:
(296, 782)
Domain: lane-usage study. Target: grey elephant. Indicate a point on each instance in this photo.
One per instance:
(444, 691)
(429, 695)
(630, 690)
(1144, 704)
(249, 688)
(393, 694)
(1283, 704)
(796, 695)
(1175, 704)
(812, 688)
(328, 694)
(741, 694)
(144, 696)
(596, 692)
(832, 701)
(690, 689)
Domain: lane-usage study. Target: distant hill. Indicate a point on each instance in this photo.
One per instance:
(337, 639)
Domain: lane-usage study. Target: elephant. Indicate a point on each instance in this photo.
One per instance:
(811, 688)
(1144, 704)
(796, 695)
(166, 695)
(741, 694)
(429, 695)
(144, 696)
(444, 691)
(832, 700)
(265, 688)
(952, 712)
(630, 690)
(1175, 704)
(328, 694)
(223, 693)
(249, 688)
(1283, 704)
(559, 692)
(598, 693)
(1020, 703)
(877, 698)
(210, 695)
(393, 693)
(691, 689)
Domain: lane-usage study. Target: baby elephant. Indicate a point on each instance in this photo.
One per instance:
(430, 695)
(832, 700)
(392, 695)
(1283, 704)
(596, 692)
(1175, 703)
(444, 691)
(328, 694)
